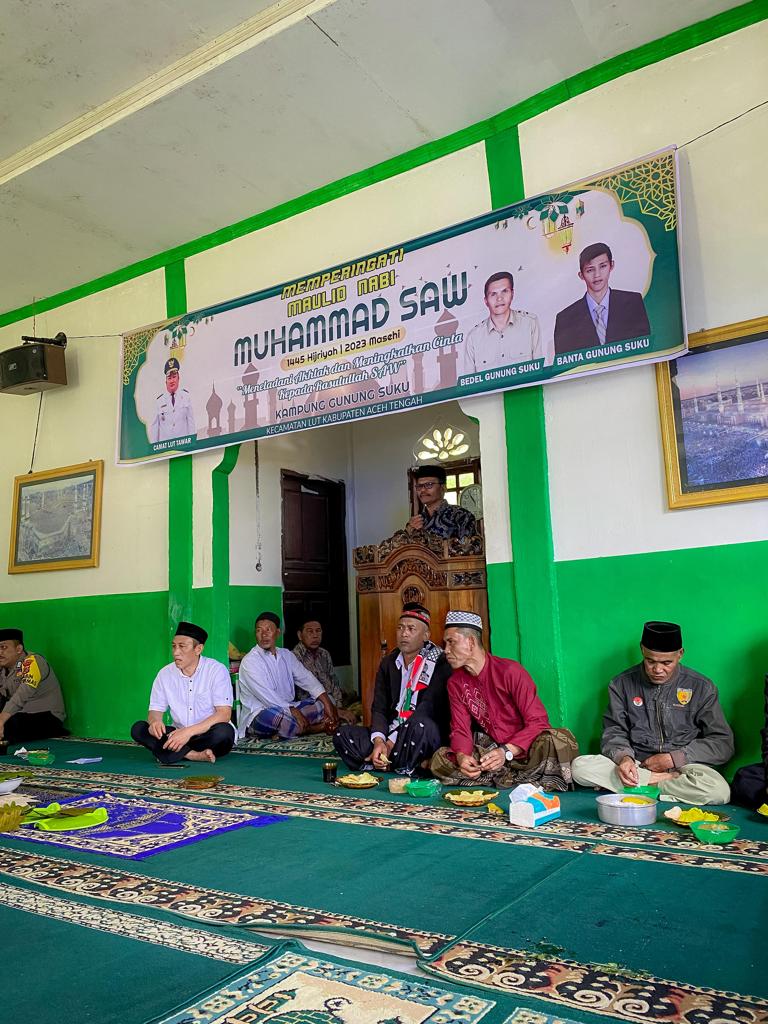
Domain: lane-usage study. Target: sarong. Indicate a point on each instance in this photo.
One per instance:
(546, 765)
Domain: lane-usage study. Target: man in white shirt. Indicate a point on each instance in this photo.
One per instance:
(198, 693)
(268, 677)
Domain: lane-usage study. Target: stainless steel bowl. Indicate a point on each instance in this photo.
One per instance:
(612, 810)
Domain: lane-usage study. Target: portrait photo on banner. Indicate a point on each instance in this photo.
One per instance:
(713, 406)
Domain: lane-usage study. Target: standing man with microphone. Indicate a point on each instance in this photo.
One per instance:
(436, 515)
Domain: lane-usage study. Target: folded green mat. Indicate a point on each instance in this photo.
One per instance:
(55, 818)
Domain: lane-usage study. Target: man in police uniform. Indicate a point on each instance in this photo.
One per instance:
(508, 336)
(31, 704)
(173, 416)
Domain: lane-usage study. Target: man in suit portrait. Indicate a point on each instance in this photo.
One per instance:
(604, 314)
(410, 717)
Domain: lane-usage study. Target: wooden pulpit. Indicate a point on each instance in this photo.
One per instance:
(443, 575)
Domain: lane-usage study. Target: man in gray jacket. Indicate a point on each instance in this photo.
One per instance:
(31, 705)
(664, 726)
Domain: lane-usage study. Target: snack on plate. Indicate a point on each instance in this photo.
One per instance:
(470, 797)
(363, 779)
(681, 817)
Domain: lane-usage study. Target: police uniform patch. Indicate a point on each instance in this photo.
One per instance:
(684, 696)
(29, 672)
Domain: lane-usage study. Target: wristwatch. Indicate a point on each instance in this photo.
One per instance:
(508, 755)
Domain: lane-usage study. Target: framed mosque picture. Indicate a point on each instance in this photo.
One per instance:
(713, 404)
(56, 520)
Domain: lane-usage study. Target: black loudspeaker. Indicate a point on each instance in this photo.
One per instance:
(29, 369)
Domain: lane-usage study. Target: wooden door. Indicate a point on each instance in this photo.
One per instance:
(315, 560)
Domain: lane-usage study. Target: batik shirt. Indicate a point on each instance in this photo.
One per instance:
(320, 664)
(450, 521)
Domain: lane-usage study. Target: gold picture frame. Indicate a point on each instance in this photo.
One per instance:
(714, 424)
(56, 522)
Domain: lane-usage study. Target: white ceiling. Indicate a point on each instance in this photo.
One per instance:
(350, 84)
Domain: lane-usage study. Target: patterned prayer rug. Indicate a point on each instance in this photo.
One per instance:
(145, 929)
(136, 829)
(603, 989)
(303, 746)
(676, 846)
(298, 988)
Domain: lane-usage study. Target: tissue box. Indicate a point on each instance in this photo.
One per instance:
(530, 806)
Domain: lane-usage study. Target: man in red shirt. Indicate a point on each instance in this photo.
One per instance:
(500, 731)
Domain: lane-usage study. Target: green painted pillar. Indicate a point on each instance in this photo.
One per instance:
(220, 614)
(179, 485)
(533, 576)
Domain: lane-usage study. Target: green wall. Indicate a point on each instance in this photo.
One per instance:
(245, 603)
(718, 594)
(105, 650)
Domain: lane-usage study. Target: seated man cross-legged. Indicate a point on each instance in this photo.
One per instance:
(318, 661)
(500, 731)
(31, 704)
(664, 726)
(409, 713)
(198, 693)
(269, 676)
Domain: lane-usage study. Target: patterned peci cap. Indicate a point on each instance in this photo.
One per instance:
(467, 620)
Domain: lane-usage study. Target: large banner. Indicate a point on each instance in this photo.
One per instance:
(577, 281)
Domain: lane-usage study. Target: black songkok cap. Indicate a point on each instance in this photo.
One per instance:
(189, 629)
(12, 634)
(429, 471)
(270, 617)
(414, 610)
(662, 636)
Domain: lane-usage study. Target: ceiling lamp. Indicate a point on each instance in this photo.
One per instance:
(441, 444)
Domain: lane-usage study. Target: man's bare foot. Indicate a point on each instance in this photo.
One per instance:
(200, 755)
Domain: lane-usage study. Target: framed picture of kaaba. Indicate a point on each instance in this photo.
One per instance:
(56, 520)
(713, 404)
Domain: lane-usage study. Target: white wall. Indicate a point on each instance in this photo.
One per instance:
(383, 214)
(443, 192)
(79, 423)
(488, 410)
(382, 451)
(605, 460)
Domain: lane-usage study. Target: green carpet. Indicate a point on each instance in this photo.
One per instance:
(73, 961)
(562, 898)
